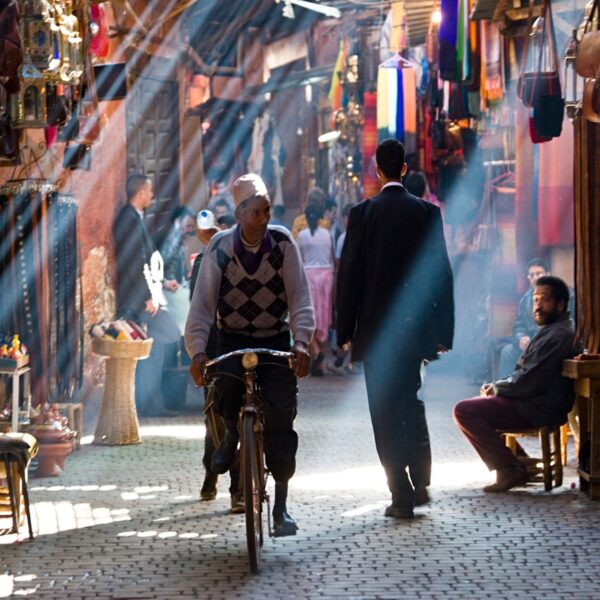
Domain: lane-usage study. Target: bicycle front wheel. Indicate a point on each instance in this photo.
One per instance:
(253, 490)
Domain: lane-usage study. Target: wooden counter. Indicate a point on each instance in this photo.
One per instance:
(586, 376)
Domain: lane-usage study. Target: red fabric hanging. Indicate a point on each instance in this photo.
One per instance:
(555, 191)
(369, 144)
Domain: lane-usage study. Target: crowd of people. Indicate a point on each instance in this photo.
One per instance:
(372, 286)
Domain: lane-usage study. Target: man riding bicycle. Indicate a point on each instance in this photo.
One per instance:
(253, 279)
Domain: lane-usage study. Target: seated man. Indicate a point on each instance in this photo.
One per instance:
(252, 278)
(534, 395)
(525, 326)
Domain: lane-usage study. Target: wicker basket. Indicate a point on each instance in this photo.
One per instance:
(118, 423)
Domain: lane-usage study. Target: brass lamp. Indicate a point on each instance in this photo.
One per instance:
(28, 107)
(573, 89)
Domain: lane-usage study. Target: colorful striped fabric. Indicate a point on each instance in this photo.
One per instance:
(397, 105)
(369, 144)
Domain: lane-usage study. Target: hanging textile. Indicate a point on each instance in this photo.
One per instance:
(555, 190)
(397, 104)
(40, 282)
(492, 88)
(336, 92)
(369, 144)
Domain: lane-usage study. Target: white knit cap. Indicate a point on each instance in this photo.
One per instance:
(247, 186)
(205, 220)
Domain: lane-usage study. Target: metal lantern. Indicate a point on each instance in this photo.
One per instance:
(37, 33)
(28, 107)
(572, 82)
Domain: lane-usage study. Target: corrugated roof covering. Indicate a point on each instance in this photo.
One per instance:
(483, 9)
(418, 17)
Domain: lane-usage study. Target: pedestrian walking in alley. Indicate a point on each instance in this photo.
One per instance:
(395, 308)
(316, 249)
(135, 252)
(252, 278)
(534, 395)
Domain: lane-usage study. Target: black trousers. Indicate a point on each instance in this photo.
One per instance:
(399, 423)
(279, 389)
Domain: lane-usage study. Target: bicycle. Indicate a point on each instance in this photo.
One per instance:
(253, 473)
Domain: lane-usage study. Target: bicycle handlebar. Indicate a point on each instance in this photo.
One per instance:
(290, 356)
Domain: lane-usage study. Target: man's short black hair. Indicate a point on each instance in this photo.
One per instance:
(390, 158)
(222, 202)
(537, 262)
(228, 220)
(134, 184)
(416, 183)
(560, 291)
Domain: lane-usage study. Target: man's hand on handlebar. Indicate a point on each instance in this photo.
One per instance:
(302, 363)
(197, 368)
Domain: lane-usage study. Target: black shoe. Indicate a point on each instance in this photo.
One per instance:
(284, 525)
(237, 504)
(224, 454)
(209, 487)
(421, 496)
(506, 479)
(399, 511)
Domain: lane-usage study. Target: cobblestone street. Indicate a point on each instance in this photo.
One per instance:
(125, 522)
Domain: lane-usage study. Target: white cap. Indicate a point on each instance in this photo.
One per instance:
(205, 220)
(247, 186)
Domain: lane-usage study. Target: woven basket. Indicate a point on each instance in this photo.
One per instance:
(139, 349)
(118, 423)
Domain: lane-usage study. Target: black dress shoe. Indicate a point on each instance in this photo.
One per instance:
(209, 486)
(421, 496)
(284, 525)
(397, 511)
(506, 479)
(223, 455)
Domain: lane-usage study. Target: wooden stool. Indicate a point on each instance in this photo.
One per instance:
(16, 451)
(548, 468)
(74, 412)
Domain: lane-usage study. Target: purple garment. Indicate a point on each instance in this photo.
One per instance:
(249, 260)
(449, 25)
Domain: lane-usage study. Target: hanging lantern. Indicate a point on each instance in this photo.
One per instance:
(37, 33)
(573, 89)
(28, 107)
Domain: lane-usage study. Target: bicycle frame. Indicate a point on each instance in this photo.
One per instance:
(251, 427)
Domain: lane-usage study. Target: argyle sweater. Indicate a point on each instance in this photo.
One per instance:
(257, 295)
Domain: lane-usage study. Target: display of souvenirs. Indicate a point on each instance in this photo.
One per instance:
(48, 426)
(13, 353)
(118, 330)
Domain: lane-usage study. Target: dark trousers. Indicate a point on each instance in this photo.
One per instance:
(209, 449)
(279, 391)
(399, 423)
(479, 418)
(149, 372)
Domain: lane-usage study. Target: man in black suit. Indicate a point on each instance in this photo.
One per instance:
(133, 250)
(395, 308)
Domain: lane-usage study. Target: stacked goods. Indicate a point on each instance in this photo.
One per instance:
(13, 353)
(120, 330)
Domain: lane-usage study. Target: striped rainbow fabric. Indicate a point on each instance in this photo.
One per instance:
(397, 105)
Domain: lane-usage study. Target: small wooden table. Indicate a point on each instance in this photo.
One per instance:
(16, 374)
(586, 374)
(118, 422)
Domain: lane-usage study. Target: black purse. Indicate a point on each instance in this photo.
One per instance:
(78, 156)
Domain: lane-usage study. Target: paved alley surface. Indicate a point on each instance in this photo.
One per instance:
(125, 522)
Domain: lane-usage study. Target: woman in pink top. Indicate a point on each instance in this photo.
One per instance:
(316, 248)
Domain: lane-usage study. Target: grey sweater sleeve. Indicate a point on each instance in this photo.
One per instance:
(302, 316)
(203, 307)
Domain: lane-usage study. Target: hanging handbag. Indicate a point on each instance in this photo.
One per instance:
(77, 156)
(9, 136)
(534, 84)
(587, 61)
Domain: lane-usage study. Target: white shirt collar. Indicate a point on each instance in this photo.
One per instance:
(392, 183)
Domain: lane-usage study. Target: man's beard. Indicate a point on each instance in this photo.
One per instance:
(546, 318)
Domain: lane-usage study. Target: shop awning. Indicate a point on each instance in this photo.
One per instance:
(418, 17)
(483, 9)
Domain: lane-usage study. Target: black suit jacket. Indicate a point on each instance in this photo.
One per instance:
(133, 249)
(394, 287)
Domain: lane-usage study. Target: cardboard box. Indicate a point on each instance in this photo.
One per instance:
(11, 364)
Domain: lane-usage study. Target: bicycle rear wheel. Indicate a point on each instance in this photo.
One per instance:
(253, 491)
